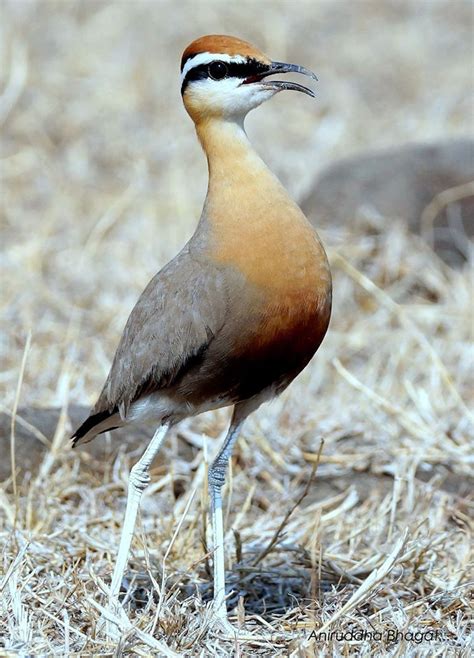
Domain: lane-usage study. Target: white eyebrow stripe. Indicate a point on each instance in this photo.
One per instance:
(207, 58)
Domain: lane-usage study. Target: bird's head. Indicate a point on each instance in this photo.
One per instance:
(226, 77)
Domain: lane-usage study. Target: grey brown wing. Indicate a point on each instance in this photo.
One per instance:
(177, 316)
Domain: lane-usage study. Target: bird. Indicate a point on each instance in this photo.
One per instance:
(238, 313)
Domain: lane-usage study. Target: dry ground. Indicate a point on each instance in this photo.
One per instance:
(102, 181)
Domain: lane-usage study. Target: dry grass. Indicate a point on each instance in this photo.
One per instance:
(102, 182)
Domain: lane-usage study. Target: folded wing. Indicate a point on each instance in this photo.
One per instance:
(178, 315)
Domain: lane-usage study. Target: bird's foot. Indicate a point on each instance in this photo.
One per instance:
(227, 631)
(223, 625)
(112, 631)
(111, 622)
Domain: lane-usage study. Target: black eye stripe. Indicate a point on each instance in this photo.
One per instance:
(234, 70)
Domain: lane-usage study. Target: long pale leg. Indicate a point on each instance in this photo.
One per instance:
(216, 479)
(139, 479)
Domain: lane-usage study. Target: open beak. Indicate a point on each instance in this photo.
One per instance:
(282, 67)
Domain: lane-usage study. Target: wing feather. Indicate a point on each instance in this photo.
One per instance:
(175, 319)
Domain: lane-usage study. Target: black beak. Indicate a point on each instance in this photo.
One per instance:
(282, 67)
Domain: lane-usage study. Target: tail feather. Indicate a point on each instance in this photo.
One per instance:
(104, 421)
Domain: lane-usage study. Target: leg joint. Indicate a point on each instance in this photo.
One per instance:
(216, 475)
(139, 478)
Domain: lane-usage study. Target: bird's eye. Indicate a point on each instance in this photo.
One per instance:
(218, 70)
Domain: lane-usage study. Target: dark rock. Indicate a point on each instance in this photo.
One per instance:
(30, 449)
(400, 183)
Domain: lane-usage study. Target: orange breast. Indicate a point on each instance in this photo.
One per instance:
(283, 303)
(288, 298)
(265, 236)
